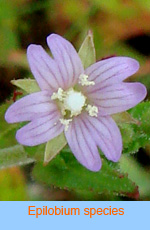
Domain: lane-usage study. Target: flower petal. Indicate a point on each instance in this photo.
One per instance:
(40, 130)
(118, 97)
(82, 145)
(67, 59)
(44, 68)
(111, 71)
(106, 135)
(29, 107)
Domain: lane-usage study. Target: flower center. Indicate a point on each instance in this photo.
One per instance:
(69, 101)
(74, 102)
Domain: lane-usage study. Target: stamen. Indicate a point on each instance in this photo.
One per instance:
(83, 80)
(60, 95)
(65, 122)
(92, 110)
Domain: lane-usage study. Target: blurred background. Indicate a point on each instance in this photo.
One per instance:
(120, 27)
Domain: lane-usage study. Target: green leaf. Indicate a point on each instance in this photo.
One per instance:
(28, 85)
(136, 173)
(87, 51)
(13, 156)
(53, 147)
(35, 152)
(136, 136)
(65, 172)
(7, 131)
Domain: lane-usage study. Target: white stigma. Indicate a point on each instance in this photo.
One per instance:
(74, 102)
(83, 80)
(92, 110)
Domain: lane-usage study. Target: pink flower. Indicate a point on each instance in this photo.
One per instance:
(77, 102)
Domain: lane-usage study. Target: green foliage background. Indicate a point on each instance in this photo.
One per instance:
(22, 173)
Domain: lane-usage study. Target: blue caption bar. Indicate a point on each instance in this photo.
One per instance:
(74, 215)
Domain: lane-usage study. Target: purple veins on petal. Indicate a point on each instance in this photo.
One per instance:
(67, 59)
(40, 130)
(118, 97)
(111, 71)
(82, 145)
(44, 68)
(106, 134)
(30, 107)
